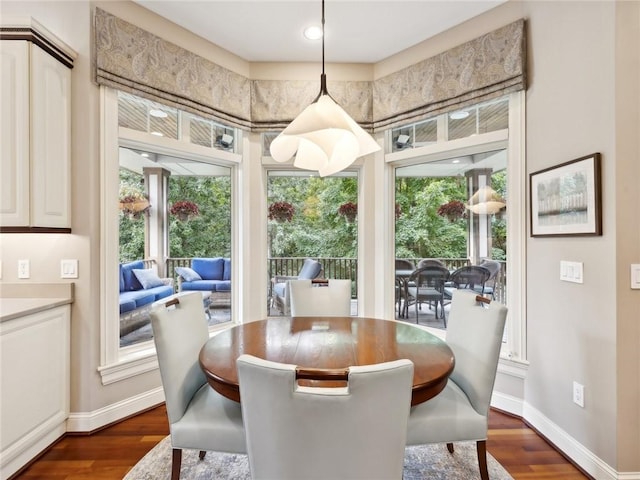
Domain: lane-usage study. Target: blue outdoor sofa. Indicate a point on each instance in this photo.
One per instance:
(140, 285)
(206, 274)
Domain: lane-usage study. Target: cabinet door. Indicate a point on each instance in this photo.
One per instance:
(14, 131)
(50, 141)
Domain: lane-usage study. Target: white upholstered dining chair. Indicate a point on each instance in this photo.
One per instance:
(460, 411)
(333, 299)
(298, 433)
(199, 417)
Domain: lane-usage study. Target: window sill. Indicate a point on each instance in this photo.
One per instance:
(513, 368)
(131, 365)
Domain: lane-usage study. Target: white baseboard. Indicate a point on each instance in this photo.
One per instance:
(90, 421)
(507, 403)
(28, 448)
(589, 462)
(629, 476)
(583, 457)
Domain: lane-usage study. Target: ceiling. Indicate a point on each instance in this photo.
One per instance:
(357, 31)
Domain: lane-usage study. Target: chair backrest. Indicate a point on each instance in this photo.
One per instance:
(470, 276)
(310, 269)
(295, 432)
(432, 276)
(431, 262)
(474, 333)
(402, 264)
(331, 300)
(493, 267)
(179, 332)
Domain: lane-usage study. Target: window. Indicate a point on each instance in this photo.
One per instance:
(197, 223)
(165, 157)
(310, 217)
(477, 119)
(436, 183)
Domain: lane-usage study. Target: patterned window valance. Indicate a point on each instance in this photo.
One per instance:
(133, 60)
(488, 67)
(275, 103)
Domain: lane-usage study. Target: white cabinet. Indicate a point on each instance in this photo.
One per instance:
(34, 385)
(14, 128)
(35, 124)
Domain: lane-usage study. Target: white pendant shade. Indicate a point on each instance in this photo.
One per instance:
(323, 138)
(485, 201)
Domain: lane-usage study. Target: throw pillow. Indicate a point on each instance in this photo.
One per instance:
(148, 278)
(188, 274)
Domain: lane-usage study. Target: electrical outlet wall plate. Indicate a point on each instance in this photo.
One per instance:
(578, 394)
(23, 269)
(635, 276)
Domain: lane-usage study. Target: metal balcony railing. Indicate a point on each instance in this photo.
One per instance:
(338, 267)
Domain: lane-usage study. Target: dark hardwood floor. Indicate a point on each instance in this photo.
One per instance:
(110, 453)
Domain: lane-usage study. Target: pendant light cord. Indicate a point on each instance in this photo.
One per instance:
(323, 77)
(322, 37)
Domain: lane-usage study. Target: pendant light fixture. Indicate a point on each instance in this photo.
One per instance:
(323, 137)
(486, 201)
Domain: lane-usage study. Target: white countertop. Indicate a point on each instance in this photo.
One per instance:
(11, 308)
(17, 300)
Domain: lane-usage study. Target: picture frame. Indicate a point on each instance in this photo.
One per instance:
(566, 199)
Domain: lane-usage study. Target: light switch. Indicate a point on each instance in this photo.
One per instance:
(69, 268)
(635, 275)
(571, 271)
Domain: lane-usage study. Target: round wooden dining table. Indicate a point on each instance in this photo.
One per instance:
(323, 349)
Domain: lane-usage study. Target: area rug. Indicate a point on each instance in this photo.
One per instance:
(424, 462)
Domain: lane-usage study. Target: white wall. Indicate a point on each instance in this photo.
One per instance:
(571, 113)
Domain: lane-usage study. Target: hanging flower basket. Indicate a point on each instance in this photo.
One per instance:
(184, 210)
(281, 212)
(453, 210)
(349, 211)
(134, 205)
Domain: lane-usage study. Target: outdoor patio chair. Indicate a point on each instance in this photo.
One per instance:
(469, 277)
(280, 291)
(404, 268)
(430, 262)
(490, 285)
(426, 285)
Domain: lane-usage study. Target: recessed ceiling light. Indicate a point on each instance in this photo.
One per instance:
(459, 115)
(457, 160)
(157, 134)
(313, 33)
(158, 113)
(145, 155)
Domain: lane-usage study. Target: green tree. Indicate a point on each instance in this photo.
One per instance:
(420, 231)
(206, 235)
(209, 233)
(316, 229)
(131, 230)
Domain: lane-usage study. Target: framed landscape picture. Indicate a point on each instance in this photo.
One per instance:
(566, 199)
